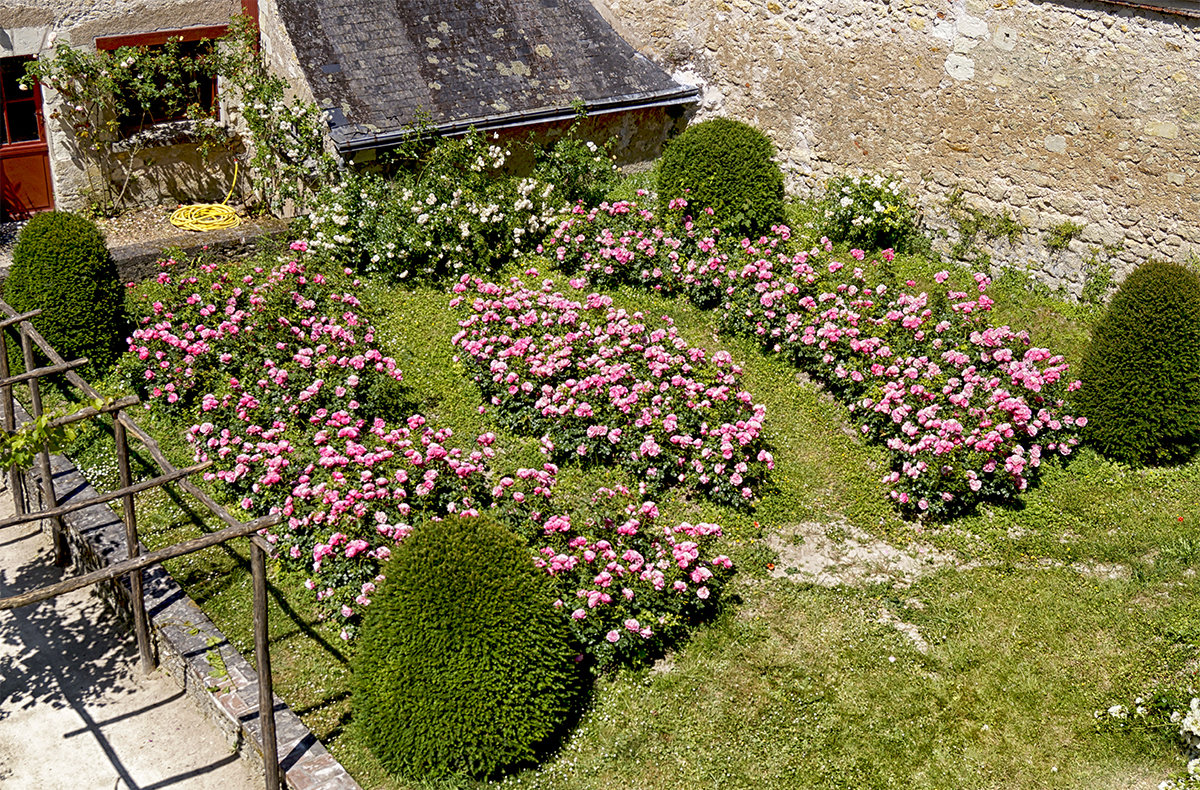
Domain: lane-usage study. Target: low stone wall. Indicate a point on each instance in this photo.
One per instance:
(188, 645)
(1070, 111)
(136, 262)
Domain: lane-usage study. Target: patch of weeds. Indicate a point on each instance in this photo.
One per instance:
(973, 223)
(836, 532)
(1183, 551)
(753, 558)
(804, 218)
(1098, 274)
(214, 658)
(1060, 236)
(630, 183)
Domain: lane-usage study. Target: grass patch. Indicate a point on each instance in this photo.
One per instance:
(1079, 599)
(805, 687)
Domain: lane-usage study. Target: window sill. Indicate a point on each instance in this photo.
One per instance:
(166, 133)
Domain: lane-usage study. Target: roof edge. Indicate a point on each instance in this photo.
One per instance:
(348, 140)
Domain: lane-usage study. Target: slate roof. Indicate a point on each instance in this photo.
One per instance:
(374, 64)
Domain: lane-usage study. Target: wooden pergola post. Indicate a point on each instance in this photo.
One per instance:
(57, 536)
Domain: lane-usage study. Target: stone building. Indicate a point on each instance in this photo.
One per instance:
(1055, 111)
(510, 65)
(39, 165)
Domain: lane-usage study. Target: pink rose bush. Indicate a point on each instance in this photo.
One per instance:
(245, 336)
(617, 243)
(604, 386)
(967, 410)
(274, 372)
(629, 582)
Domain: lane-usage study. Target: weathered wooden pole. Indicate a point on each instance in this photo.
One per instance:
(10, 424)
(262, 656)
(137, 599)
(16, 480)
(58, 537)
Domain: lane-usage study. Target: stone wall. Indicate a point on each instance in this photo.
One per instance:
(170, 172)
(637, 135)
(1076, 110)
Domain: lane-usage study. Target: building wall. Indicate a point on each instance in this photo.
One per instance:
(1052, 111)
(173, 172)
(637, 136)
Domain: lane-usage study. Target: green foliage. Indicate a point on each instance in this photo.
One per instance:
(1141, 371)
(62, 267)
(1059, 237)
(464, 666)
(579, 169)
(725, 165)
(22, 446)
(973, 223)
(1098, 274)
(872, 212)
(287, 135)
(106, 95)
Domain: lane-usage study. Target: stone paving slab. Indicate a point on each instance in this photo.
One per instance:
(76, 712)
(217, 680)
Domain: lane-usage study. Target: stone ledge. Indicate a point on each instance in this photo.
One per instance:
(188, 645)
(136, 262)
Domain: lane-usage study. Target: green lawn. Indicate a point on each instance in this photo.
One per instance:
(1081, 599)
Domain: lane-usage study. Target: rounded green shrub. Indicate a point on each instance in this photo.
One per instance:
(62, 266)
(464, 667)
(725, 165)
(1140, 376)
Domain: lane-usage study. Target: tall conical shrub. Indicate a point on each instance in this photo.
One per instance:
(62, 266)
(1141, 372)
(464, 667)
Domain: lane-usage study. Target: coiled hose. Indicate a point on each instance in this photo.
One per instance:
(208, 216)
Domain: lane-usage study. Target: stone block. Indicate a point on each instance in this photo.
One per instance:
(1166, 129)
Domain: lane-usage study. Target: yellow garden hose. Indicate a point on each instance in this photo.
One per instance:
(208, 216)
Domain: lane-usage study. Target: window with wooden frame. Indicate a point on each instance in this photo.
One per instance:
(177, 74)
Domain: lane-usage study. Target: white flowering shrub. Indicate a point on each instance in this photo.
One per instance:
(1159, 711)
(582, 171)
(461, 211)
(870, 212)
(1189, 724)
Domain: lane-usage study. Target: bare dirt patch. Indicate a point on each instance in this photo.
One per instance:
(837, 554)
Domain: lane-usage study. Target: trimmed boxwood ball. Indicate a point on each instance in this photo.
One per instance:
(463, 665)
(62, 266)
(1140, 375)
(726, 165)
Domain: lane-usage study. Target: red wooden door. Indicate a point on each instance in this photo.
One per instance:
(25, 185)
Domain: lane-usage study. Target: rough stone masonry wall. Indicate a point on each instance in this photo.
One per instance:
(1053, 111)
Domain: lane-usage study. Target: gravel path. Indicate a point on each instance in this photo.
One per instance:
(8, 237)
